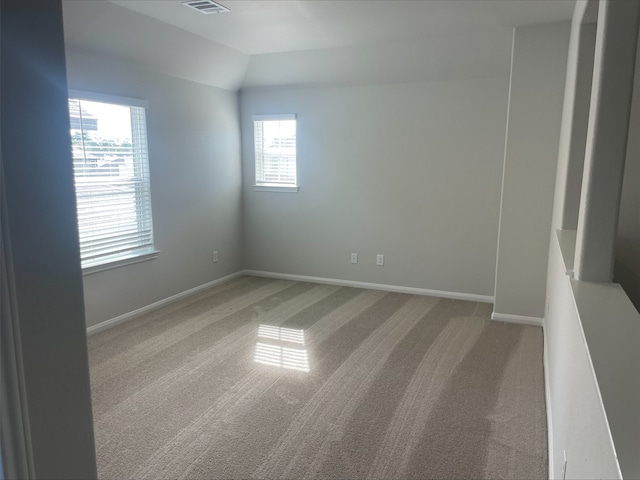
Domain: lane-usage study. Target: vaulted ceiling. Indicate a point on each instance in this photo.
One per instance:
(309, 42)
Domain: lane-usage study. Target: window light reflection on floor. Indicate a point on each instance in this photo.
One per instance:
(281, 347)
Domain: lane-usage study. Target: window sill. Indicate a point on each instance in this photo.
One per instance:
(120, 263)
(275, 188)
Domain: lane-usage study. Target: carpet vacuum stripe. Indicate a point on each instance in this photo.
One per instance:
(191, 382)
(368, 424)
(262, 378)
(212, 432)
(114, 340)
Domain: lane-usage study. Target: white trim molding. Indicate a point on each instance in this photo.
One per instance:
(156, 305)
(274, 117)
(276, 188)
(120, 263)
(107, 98)
(284, 276)
(547, 400)
(520, 319)
(373, 286)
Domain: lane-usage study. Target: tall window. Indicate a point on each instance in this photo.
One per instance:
(111, 170)
(275, 144)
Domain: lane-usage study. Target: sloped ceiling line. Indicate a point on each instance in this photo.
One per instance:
(308, 43)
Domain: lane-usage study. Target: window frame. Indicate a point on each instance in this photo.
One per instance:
(259, 186)
(111, 262)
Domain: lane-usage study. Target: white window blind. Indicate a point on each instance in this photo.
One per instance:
(275, 149)
(111, 170)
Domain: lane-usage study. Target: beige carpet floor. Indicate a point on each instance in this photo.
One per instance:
(262, 378)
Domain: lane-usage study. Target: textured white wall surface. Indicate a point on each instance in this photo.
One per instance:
(580, 429)
(535, 110)
(409, 171)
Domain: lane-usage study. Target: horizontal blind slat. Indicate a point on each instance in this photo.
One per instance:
(115, 245)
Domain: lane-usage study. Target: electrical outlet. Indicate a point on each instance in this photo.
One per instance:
(354, 258)
(215, 257)
(380, 259)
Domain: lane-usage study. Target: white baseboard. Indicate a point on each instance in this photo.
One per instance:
(520, 319)
(373, 286)
(547, 399)
(154, 306)
(284, 276)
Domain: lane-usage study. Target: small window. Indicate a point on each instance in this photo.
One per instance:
(111, 171)
(275, 145)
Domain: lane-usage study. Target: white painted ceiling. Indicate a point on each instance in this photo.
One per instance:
(308, 42)
(257, 27)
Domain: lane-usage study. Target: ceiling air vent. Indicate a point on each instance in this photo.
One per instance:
(206, 6)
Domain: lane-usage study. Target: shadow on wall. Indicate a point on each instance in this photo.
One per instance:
(629, 279)
(627, 266)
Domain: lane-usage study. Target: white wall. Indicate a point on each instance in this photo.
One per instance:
(436, 58)
(535, 110)
(592, 331)
(579, 426)
(409, 171)
(194, 159)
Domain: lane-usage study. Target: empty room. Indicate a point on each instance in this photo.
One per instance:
(320, 239)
